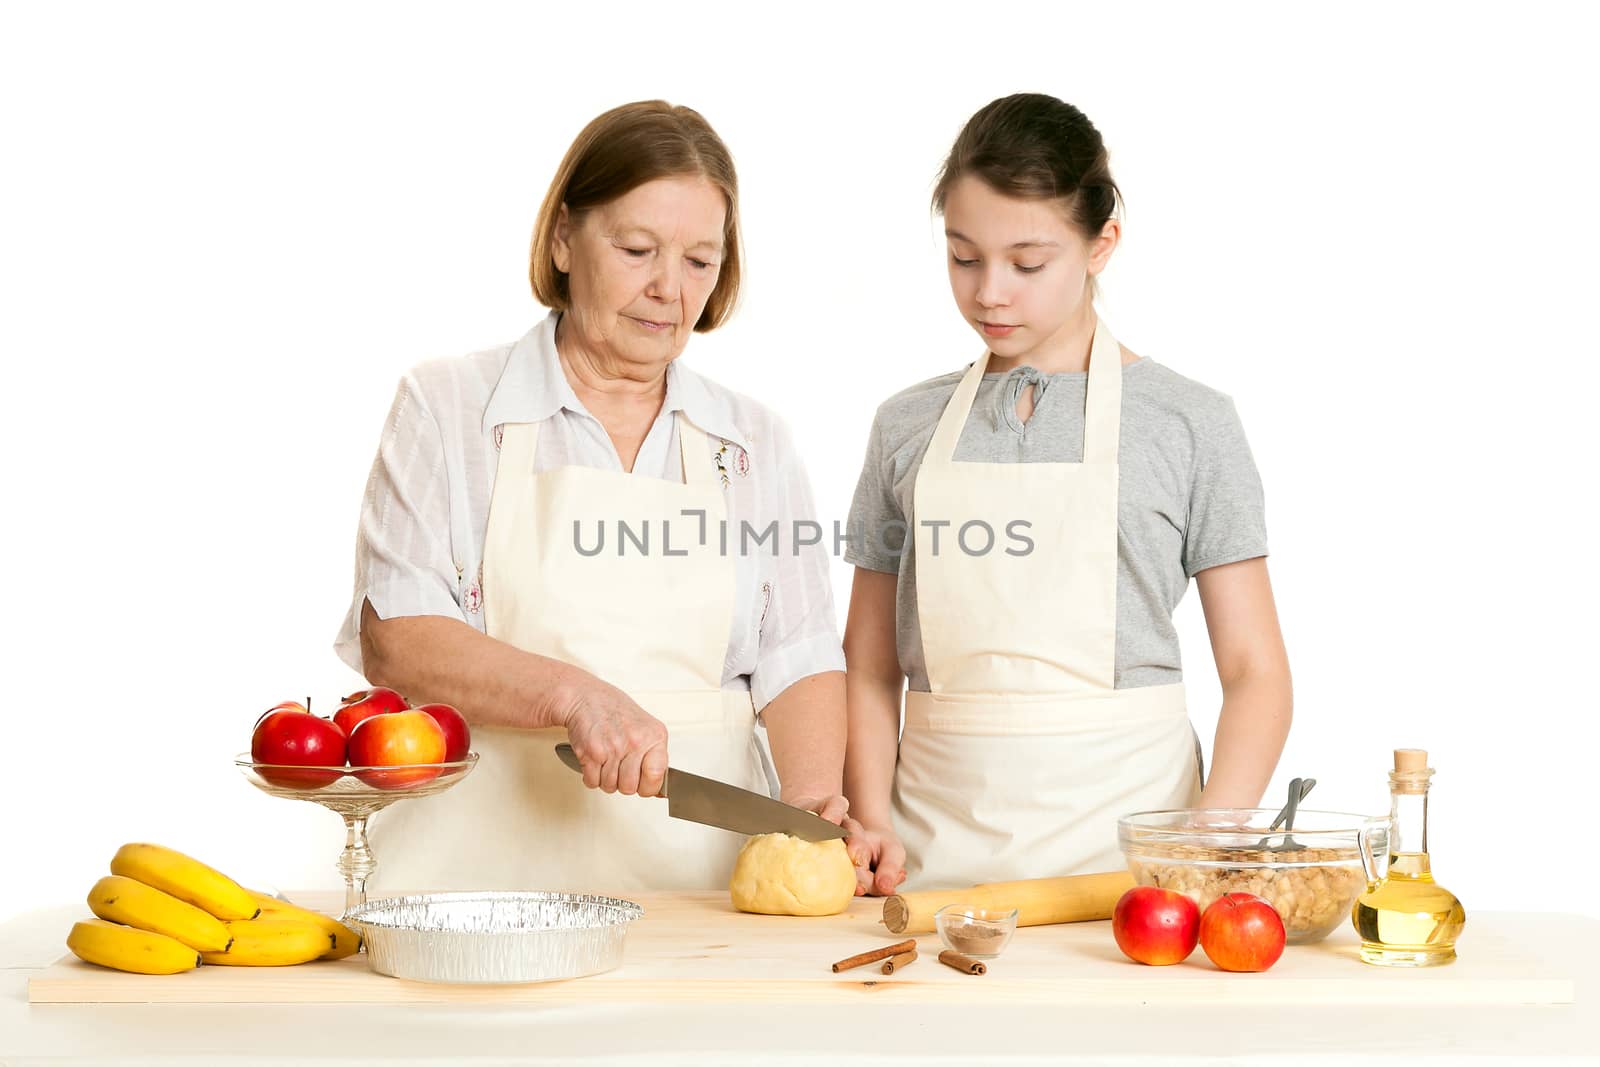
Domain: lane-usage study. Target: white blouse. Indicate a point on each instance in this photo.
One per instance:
(420, 545)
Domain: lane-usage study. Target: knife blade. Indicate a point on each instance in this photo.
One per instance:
(727, 807)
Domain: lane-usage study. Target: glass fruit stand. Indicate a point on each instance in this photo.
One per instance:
(356, 793)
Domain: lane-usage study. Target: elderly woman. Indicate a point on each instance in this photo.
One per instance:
(551, 541)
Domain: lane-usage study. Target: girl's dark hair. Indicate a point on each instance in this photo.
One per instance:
(1036, 147)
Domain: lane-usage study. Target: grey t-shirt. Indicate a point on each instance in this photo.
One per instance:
(1189, 494)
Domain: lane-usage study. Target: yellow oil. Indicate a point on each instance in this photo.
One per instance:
(1408, 920)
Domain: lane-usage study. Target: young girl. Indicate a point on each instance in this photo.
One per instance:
(1022, 531)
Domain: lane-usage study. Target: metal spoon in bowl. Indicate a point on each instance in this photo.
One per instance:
(1298, 788)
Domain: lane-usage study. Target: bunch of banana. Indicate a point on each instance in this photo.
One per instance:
(161, 912)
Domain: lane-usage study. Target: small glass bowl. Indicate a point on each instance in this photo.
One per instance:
(982, 933)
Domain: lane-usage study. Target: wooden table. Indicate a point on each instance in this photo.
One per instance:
(704, 983)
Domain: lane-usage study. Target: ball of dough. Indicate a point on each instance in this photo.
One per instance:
(777, 874)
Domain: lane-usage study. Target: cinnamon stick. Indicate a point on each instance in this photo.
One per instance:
(894, 963)
(962, 963)
(875, 955)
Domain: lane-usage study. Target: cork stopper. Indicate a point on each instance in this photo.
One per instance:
(1411, 772)
(1407, 760)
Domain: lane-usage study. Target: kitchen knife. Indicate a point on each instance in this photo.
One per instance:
(714, 803)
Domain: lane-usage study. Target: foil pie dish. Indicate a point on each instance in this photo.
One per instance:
(488, 937)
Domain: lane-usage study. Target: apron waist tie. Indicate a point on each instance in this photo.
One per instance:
(1042, 714)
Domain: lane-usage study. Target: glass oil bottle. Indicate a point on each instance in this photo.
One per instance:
(1405, 918)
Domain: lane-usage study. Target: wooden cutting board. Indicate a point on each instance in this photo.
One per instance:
(695, 947)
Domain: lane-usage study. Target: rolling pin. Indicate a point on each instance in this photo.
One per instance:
(1039, 901)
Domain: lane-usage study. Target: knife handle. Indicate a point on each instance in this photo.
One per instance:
(570, 758)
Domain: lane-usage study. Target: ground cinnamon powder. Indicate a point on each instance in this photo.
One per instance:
(974, 940)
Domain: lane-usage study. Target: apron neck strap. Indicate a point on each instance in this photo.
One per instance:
(1102, 406)
(519, 443)
(942, 448)
(1102, 413)
(694, 449)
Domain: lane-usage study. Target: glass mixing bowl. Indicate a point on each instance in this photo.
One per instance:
(1311, 874)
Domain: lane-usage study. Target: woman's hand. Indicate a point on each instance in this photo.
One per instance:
(621, 747)
(879, 857)
(832, 808)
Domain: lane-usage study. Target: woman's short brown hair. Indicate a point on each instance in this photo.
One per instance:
(615, 154)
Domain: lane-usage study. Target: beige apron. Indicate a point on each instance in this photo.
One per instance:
(1020, 760)
(655, 624)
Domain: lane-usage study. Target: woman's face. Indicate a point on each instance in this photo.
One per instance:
(640, 270)
(1018, 268)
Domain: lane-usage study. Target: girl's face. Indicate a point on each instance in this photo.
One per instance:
(1018, 269)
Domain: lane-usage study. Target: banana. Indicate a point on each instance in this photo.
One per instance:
(185, 878)
(123, 900)
(346, 942)
(272, 943)
(126, 949)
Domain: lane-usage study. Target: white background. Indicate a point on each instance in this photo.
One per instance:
(226, 233)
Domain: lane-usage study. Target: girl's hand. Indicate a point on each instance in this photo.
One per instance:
(879, 857)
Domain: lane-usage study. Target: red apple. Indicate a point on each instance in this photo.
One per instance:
(457, 737)
(290, 705)
(365, 703)
(1242, 932)
(297, 739)
(398, 739)
(1156, 926)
